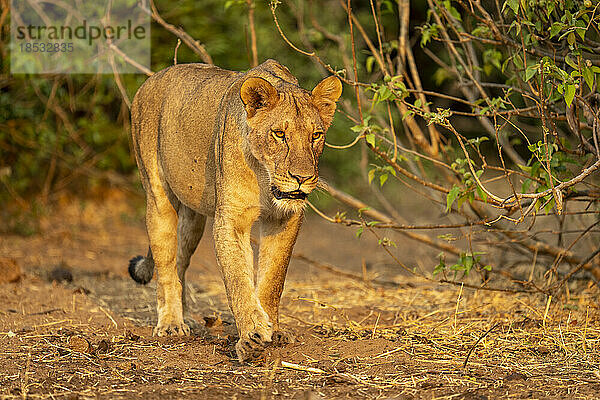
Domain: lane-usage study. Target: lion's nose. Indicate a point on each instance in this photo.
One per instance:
(301, 178)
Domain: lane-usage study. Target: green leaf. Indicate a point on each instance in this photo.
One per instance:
(493, 57)
(440, 75)
(555, 29)
(452, 10)
(549, 8)
(525, 168)
(572, 63)
(468, 264)
(441, 266)
(382, 179)
(518, 61)
(383, 94)
(369, 63)
(588, 75)
(407, 114)
(482, 194)
(371, 175)
(390, 169)
(359, 232)
(451, 196)
(362, 210)
(569, 94)
(370, 138)
(428, 32)
(530, 72)
(513, 4)
(571, 38)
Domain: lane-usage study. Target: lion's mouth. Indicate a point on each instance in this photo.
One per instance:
(294, 195)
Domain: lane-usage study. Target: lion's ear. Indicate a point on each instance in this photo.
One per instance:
(324, 96)
(257, 93)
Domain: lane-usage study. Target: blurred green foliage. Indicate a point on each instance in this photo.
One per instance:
(67, 132)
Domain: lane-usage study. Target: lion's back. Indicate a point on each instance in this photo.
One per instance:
(173, 120)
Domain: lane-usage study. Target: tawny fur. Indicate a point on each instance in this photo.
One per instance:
(225, 144)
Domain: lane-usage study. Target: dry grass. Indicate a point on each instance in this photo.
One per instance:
(354, 339)
(415, 339)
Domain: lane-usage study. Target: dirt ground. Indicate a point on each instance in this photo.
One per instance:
(76, 326)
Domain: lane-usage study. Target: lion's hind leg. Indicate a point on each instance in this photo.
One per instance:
(161, 223)
(190, 228)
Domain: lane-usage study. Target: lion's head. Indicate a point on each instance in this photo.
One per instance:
(287, 134)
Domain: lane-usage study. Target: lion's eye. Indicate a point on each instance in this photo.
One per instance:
(279, 134)
(317, 135)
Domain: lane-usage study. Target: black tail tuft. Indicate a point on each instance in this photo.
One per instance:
(140, 271)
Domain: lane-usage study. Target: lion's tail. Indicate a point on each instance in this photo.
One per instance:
(141, 269)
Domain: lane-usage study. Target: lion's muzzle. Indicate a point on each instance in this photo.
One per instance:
(293, 195)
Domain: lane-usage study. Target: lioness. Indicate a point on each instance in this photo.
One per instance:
(240, 147)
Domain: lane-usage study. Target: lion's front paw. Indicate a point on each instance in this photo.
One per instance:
(171, 329)
(281, 338)
(255, 334)
(251, 346)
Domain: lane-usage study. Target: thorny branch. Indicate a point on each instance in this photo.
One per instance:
(527, 107)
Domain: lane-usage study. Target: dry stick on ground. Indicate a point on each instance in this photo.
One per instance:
(477, 342)
(299, 367)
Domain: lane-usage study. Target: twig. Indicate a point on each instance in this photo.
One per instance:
(575, 270)
(250, 4)
(193, 44)
(175, 52)
(109, 317)
(546, 311)
(477, 342)
(337, 271)
(130, 60)
(299, 367)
